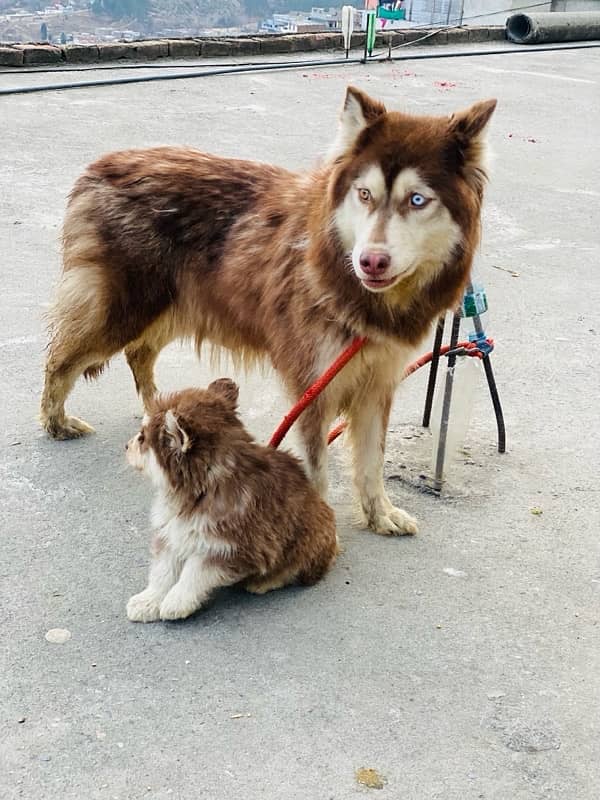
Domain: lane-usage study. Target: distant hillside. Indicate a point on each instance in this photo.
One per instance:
(30, 20)
(205, 12)
(200, 10)
(265, 7)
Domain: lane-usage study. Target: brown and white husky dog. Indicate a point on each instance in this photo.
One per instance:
(377, 241)
(227, 510)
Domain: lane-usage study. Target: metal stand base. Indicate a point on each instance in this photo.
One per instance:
(433, 370)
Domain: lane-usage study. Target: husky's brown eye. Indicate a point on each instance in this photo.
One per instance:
(141, 437)
(364, 195)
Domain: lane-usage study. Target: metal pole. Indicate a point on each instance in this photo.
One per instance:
(491, 381)
(371, 32)
(433, 369)
(441, 451)
(487, 365)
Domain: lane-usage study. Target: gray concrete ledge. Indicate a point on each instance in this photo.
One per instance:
(17, 55)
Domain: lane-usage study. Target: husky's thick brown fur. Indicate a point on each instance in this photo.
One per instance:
(228, 510)
(378, 241)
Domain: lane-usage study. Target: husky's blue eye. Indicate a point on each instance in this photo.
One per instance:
(418, 200)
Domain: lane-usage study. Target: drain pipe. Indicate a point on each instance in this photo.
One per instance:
(556, 26)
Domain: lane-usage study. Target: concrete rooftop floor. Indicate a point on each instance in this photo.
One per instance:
(462, 664)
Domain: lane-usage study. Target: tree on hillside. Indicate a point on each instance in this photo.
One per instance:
(257, 8)
(122, 9)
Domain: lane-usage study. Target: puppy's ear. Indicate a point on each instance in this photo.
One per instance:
(181, 442)
(226, 390)
(468, 130)
(358, 111)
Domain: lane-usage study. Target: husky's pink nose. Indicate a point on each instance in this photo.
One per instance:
(374, 263)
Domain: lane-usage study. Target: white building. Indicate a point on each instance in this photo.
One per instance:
(316, 20)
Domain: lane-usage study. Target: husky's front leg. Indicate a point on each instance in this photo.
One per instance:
(314, 426)
(368, 420)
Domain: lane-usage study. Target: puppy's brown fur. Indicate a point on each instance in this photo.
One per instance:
(171, 242)
(227, 509)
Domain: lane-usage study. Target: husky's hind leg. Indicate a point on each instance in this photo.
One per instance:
(64, 366)
(142, 354)
(79, 344)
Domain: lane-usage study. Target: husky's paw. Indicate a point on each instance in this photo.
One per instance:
(67, 428)
(394, 522)
(143, 607)
(177, 606)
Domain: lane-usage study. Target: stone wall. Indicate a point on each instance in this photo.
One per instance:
(18, 55)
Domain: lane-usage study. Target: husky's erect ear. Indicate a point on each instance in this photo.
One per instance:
(226, 389)
(358, 111)
(180, 441)
(468, 135)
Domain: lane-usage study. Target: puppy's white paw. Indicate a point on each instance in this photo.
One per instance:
(143, 607)
(177, 606)
(394, 522)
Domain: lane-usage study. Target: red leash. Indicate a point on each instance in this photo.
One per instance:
(461, 348)
(315, 390)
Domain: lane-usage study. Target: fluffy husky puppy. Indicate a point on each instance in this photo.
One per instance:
(226, 510)
(377, 241)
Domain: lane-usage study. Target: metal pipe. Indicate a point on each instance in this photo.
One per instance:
(433, 369)
(438, 479)
(491, 381)
(557, 26)
(489, 374)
